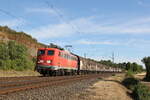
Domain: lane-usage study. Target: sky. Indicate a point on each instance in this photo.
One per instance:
(95, 28)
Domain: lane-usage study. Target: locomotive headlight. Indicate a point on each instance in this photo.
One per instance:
(40, 61)
(48, 61)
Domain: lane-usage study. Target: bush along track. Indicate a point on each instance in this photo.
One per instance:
(139, 91)
(14, 56)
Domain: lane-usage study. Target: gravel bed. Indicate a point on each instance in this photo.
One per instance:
(63, 92)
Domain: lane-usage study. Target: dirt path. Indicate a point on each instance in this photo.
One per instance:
(140, 75)
(106, 89)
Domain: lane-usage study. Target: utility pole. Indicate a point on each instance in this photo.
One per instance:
(84, 55)
(113, 57)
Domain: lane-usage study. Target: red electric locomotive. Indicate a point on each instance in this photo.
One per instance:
(54, 61)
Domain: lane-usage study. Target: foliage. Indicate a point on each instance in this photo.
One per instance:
(108, 63)
(134, 67)
(113, 74)
(14, 56)
(34, 59)
(3, 52)
(141, 92)
(129, 73)
(146, 61)
(130, 82)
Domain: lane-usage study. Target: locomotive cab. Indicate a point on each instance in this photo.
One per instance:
(53, 60)
(46, 59)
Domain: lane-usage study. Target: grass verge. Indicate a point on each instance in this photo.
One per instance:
(13, 73)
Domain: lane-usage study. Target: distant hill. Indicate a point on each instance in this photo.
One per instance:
(7, 34)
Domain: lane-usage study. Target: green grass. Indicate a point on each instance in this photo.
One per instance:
(141, 92)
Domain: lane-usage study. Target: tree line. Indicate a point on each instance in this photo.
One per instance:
(133, 67)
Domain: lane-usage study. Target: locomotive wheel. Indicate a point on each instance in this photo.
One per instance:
(62, 73)
(44, 74)
(58, 73)
(50, 73)
(54, 73)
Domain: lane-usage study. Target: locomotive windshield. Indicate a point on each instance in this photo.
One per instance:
(41, 52)
(50, 52)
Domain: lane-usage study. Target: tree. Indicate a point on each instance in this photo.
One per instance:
(128, 66)
(146, 61)
(3, 51)
(135, 67)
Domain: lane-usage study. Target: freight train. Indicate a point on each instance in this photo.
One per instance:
(57, 61)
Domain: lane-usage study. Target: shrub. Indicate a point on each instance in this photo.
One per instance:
(141, 92)
(113, 74)
(3, 51)
(4, 64)
(130, 82)
(146, 61)
(129, 73)
(14, 56)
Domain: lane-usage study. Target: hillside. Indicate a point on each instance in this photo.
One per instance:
(7, 34)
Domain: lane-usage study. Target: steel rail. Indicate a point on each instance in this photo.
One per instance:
(8, 88)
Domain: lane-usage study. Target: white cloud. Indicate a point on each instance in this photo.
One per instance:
(121, 59)
(126, 42)
(13, 23)
(132, 26)
(143, 3)
(41, 10)
(137, 42)
(140, 2)
(60, 30)
(88, 25)
(88, 42)
(125, 59)
(51, 31)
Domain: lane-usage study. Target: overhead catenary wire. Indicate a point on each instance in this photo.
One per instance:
(8, 13)
(61, 17)
(12, 15)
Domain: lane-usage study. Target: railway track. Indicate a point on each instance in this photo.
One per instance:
(15, 84)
